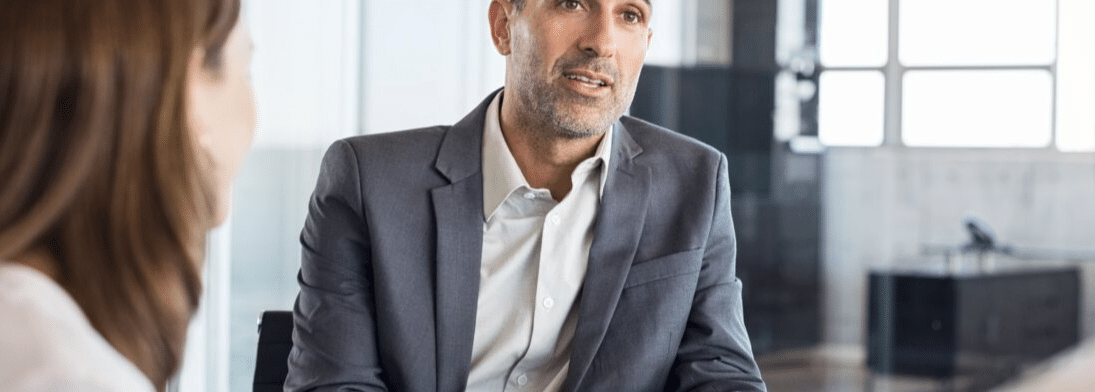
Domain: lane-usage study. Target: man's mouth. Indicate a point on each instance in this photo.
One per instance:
(590, 80)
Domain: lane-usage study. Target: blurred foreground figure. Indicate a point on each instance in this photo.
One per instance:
(122, 123)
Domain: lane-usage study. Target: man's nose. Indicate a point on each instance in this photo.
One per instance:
(599, 39)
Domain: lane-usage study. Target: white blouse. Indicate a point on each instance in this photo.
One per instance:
(47, 344)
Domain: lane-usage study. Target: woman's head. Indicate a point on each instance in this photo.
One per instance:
(121, 122)
(221, 112)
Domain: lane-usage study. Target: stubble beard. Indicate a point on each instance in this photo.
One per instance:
(549, 105)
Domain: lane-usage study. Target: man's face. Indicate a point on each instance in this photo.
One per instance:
(573, 65)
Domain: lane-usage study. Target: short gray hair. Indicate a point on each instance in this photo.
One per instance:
(518, 4)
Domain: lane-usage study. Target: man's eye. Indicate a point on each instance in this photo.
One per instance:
(572, 5)
(632, 17)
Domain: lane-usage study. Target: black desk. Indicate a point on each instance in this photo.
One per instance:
(944, 325)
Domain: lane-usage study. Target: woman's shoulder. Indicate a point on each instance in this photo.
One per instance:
(49, 345)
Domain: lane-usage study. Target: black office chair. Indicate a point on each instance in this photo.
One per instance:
(275, 341)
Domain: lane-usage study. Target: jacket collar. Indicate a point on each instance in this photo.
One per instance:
(460, 154)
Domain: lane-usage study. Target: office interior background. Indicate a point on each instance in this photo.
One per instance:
(863, 134)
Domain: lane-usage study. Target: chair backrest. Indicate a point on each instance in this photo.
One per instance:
(275, 341)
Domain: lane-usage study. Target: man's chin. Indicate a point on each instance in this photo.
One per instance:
(581, 117)
(578, 134)
(572, 128)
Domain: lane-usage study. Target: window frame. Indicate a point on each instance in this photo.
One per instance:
(894, 72)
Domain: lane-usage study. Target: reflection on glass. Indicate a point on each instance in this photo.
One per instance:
(977, 108)
(853, 33)
(977, 32)
(850, 108)
(1076, 77)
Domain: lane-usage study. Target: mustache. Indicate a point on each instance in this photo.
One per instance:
(599, 65)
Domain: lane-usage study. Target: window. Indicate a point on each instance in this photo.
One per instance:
(853, 33)
(977, 32)
(850, 108)
(306, 81)
(957, 73)
(1076, 76)
(982, 108)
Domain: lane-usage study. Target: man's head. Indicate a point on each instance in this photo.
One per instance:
(572, 66)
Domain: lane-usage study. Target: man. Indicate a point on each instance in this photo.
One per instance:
(542, 243)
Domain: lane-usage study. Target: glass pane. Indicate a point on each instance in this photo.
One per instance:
(850, 108)
(1075, 79)
(853, 32)
(306, 82)
(977, 108)
(977, 32)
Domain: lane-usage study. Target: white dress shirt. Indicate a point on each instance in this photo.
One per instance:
(535, 252)
(47, 344)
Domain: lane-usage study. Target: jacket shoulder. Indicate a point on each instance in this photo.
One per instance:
(413, 142)
(660, 143)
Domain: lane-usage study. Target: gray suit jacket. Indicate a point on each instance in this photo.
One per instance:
(389, 274)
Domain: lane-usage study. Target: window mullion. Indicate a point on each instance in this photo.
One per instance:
(894, 73)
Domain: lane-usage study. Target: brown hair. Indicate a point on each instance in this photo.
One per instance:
(97, 165)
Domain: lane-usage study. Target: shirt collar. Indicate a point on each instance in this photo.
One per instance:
(502, 176)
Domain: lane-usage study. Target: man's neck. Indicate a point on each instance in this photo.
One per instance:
(546, 160)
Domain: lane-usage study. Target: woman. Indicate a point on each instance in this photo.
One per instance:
(122, 123)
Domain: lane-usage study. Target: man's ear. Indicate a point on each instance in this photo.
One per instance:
(499, 15)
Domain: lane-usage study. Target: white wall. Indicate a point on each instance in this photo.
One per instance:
(427, 62)
(883, 204)
(306, 71)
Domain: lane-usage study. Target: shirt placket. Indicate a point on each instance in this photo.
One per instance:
(548, 315)
(534, 202)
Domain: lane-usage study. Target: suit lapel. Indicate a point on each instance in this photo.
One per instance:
(615, 239)
(458, 208)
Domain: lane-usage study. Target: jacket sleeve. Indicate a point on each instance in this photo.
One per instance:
(334, 334)
(715, 354)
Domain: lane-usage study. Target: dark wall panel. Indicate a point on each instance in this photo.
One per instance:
(776, 193)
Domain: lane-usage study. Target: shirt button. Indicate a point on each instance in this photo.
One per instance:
(522, 380)
(549, 302)
(530, 195)
(555, 218)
